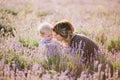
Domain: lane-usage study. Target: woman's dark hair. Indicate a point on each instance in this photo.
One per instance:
(64, 28)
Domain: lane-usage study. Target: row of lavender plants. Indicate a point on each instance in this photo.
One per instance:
(20, 62)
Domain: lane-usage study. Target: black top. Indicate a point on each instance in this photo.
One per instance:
(84, 46)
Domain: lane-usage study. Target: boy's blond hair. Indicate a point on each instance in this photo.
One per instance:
(44, 28)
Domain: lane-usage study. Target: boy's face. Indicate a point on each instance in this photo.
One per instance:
(47, 36)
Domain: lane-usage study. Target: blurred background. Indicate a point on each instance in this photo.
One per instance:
(97, 19)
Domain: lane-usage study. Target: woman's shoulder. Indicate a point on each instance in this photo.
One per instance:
(84, 39)
(79, 37)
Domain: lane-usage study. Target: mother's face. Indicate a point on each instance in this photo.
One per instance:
(58, 37)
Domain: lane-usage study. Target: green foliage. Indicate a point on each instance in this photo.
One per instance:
(1, 55)
(28, 43)
(102, 59)
(42, 14)
(6, 30)
(12, 56)
(8, 10)
(9, 29)
(59, 64)
(102, 38)
(117, 21)
(26, 9)
(22, 63)
(81, 31)
(114, 45)
(52, 63)
(116, 65)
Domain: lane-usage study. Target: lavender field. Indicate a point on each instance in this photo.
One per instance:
(20, 53)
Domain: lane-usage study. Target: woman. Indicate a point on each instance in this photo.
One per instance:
(79, 44)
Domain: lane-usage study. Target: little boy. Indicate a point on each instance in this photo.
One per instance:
(45, 33)
(48, 46)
